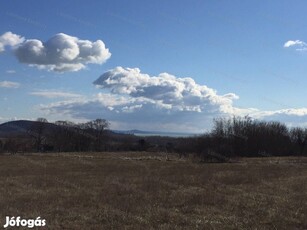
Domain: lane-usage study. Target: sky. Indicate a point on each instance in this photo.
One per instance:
(153, 65)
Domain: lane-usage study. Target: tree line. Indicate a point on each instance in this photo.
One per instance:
(60, 136)
(229, 137)
(247, 137)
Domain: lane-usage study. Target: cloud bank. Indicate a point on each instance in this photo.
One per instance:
(62, 53)
(9, 39)
(132, 99)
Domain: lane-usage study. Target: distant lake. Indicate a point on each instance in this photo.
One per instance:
(141, 133)
(162, 134)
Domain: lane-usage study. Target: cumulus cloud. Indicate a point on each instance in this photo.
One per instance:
(166, 90)
(9, 84)
(126, 112)
(54, 94)
(62, 53)
(130, 113)
(133, 99)
(300, 45)
(10, 39)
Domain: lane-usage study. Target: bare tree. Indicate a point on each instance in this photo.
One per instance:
(63, 138)
(36, 131)
(98, 127)
(299, 138)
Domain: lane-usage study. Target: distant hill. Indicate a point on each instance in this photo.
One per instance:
(29, 136)
(20, 128)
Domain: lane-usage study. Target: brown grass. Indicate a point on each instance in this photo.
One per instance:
(143, 191)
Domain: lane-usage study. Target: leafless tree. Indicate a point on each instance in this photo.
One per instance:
(36, 131)
(98, 128)
(299, 137)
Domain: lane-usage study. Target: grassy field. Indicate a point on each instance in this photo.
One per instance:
(143, 191)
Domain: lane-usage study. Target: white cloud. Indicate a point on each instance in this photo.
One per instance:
(291, 117)
(129, 112)
(300, 45)
(131, 99)
(62, 53)
(177, 94)
(9, 39)
(136, 100)
(54, 94)
(291, 112)
(294, 43)
(9, 84)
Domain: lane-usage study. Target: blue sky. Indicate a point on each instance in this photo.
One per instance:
(157, 65)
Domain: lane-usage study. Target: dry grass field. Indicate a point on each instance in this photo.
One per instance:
(144, 191)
